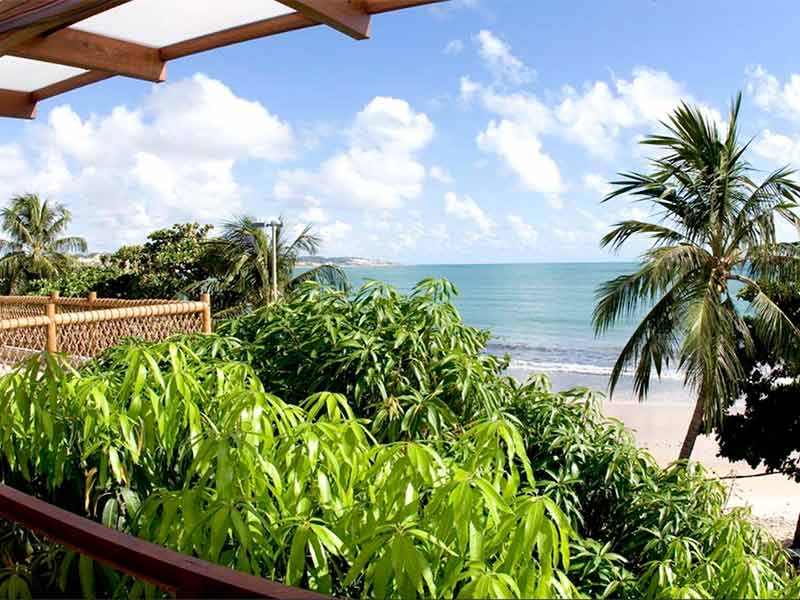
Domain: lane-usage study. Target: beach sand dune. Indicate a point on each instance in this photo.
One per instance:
(660, 427)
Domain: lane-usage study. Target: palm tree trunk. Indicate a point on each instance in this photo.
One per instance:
(695, 426)
(796, 540)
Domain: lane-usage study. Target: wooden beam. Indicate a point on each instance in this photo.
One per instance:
(381, 6)
(234, 35)
(47, 17)
(346, 16)
(189, 577)
(66, 85)
(95, 52)
(17, 105)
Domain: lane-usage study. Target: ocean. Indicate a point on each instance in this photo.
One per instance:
(541, 315)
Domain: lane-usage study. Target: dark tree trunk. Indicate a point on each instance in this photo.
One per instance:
(695, 427)
(796, 540)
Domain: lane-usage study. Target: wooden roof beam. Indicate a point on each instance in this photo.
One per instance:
(73, 83)
(235, 35)
(17, 105)
(95, 52)
(347, 16)
(31, 18)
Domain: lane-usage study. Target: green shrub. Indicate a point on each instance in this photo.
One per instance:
(189, 451)
(408, 363)
(497, 489)
(107, 280)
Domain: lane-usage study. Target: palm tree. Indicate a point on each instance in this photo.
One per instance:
(710, 225)
(35, 248)
(243, 257)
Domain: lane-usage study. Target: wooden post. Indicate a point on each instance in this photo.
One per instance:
(92, 297)
(205, 298)
(52, 333)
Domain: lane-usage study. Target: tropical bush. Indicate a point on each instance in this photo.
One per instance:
(519, 493)
(109, 281)
(406, 362)
(767, 432)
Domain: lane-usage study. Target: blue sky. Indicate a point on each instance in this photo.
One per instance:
(474, 131)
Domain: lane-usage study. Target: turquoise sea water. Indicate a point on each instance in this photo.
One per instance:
(540, 314)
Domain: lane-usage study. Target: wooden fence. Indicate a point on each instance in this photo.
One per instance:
(185, 576)
(85, 327)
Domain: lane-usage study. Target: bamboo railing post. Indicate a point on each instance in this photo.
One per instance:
(205, 298)
(52, 332)
(91, 297)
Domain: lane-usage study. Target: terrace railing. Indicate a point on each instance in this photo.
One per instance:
(185, 576)
(85, 327)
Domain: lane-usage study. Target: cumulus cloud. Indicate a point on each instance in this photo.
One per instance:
(522, 150)
(524, 233)
(466, 209)
(499, 59)
(136, 168)
(378, 170)
(593, 118)
(771, 95)
(777, 148)
(597, 184)
(454, 47)
(441, 175)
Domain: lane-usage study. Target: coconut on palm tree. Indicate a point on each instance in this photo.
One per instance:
(711, 224)
(36, 247)
(242, 256)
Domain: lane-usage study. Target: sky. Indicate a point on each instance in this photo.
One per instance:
(468, 132)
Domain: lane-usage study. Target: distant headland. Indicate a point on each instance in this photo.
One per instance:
(343, 261)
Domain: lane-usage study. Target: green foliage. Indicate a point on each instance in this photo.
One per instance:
(167, 263)
(242, 259)
(165, 266)
(189, 451)
(710, 224)
(108, 281)
(512, 491)
(408, 363)
(767, 432)
(35, 246)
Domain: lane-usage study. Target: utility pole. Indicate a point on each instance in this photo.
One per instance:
(275, 225)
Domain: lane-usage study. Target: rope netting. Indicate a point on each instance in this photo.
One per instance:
(83, 328)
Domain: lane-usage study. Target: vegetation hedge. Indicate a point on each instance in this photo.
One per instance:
(362, 447)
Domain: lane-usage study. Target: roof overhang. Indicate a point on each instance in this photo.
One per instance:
(49, 47)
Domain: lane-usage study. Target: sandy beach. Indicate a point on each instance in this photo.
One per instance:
(774, 499)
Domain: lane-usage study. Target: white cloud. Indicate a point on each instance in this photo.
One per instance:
(314, 214)
(522, 150)
(498, 57)
(391, 125)
(595, 118)
(335, 232)
(777, 148)
(379, 169)
(454, 47)
(770, 95)
(466, 209)
(133, 169)
(524, 233)
(441, 175)
(597, 184)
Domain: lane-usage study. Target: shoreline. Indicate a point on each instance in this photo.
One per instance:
(659, 425)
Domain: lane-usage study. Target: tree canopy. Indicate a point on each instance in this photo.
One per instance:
(711, 223)
(35, 246)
